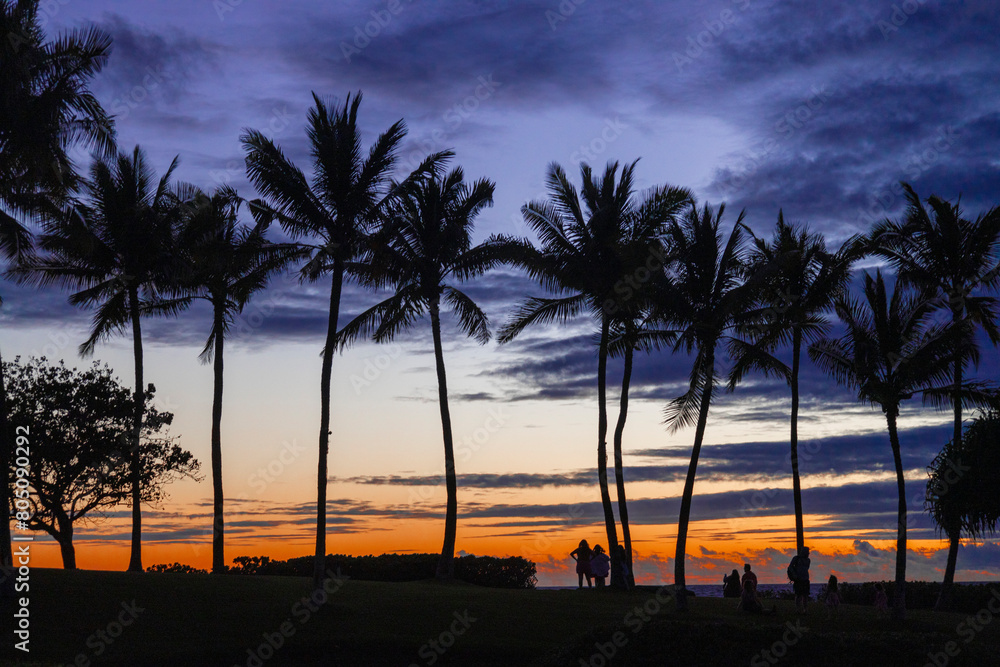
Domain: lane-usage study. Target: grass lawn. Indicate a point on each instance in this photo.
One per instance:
(188, 620)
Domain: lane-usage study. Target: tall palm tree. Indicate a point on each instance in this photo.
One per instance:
(427, 249)
(115, 250)
(593, 241)
(954, 260)
(227, 263)
(966, 503)
(345, 198)
(798, 281)
(890, 352)
(705, 298)
(45, 107)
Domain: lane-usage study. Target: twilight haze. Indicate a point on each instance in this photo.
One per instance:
(819, 109)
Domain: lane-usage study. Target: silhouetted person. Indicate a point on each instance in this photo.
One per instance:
(600, 565)
(731, 587)
(798, 571)
(750, 603)
(582, 555)
(881, 600)
(748, 575)
(832, 595)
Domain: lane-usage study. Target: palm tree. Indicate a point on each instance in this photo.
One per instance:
(45, 107)
(428, 247)
(347, 195)
(228, 264)
(593, 241)
(890, 352)
(115, 250)
(954, 260)
(705, 298)
(798, 281)
(961, 495)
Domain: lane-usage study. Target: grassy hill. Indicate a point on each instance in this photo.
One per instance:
(187, 620)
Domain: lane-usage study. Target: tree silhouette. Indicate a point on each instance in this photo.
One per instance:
(890, 352)
(45, 107)
(592, 243)
(705, 298)
(80, 421)
(348, 195)
(797, 280)
(115, 250)
(961, 485)
(227, 263)
(952, 260)
(426, 248)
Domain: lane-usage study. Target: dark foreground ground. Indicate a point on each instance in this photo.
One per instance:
(110, 618)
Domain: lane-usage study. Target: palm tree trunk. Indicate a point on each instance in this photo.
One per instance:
(66, 548)
(796, 483)
(899, 589)
(446, 564)
(680, 590)
(6, 551)
(319, 562)
(135, 558)
(602, 445)
(947, 586)
(218, 524)
(944, 597)
(619, 468)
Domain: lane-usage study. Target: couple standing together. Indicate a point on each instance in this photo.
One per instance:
(594, 563)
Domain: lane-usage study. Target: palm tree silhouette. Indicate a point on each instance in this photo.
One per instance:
(115, 250)
(592, 243)
(45, 107)
(348, 193)
(953, 260)
(226, 264)
(798, 280)
(424, 249)
(890, 352)
(704, 299)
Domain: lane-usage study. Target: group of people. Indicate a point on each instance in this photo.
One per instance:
(595, 565)
(744, 588)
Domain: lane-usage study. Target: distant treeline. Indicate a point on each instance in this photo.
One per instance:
(968, 598)
(510, 572)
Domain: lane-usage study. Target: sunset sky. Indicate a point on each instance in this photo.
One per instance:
(816, 108)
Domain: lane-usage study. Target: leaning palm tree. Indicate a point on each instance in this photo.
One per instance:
(45, 107)
(797, 281)
(966, 502)
(890, 352)
(226, 264)
(115, 251)
(348, 193)
(593, 242)
(954, 260)
(426, 248)
(705, 298)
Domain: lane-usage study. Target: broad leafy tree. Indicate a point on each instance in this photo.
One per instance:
(79, 425)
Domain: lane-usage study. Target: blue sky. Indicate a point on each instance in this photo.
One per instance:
(819, 109)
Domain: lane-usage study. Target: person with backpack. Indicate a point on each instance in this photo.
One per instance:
(798, 574)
